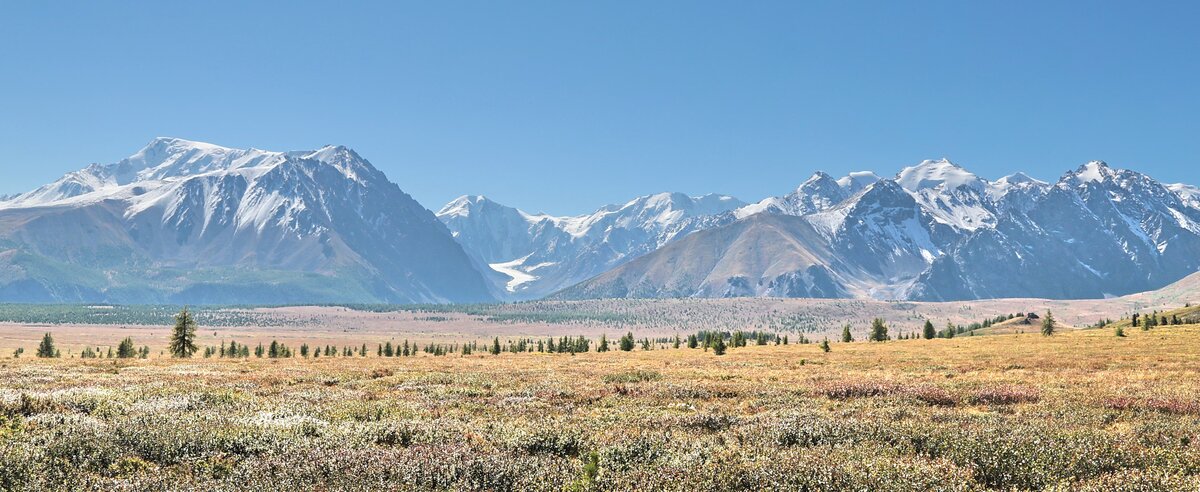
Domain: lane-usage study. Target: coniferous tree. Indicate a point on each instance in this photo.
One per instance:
(603, 345)
(627, 342)
(718, 345)
(125, 349)
(693, 342)
(678, 342)
(825, 345)
(304, 350)
(879, 332)
(183, 336)
(496, 346)
(46, 349)
(928, 332)
(1120, 333)
(846, 336)
(1048, 324)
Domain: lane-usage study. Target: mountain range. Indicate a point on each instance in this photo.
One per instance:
(933, 231)
(183, 221)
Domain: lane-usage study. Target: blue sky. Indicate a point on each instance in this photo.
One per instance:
(565, 106)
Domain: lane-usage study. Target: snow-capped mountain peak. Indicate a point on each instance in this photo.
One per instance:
(302, 221)
(540, 253)
(462, 206)
(857, 181)
(1190, 195)
(1018, 178)
(940, 173)
(1000, 188)
(1092, 172)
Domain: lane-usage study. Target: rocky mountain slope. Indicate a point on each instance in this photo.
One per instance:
(183, 221)
(935, 231)
(537, 254)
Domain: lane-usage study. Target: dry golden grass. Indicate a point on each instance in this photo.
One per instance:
(1083, 410)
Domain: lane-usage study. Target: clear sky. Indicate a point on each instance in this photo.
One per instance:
(564, 106)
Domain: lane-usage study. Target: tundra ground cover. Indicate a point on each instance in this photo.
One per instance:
(1083, 410)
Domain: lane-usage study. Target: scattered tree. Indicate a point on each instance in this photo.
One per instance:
(46, 349)
(183, 336)
(626, 342)
(718, 345)
(1048, 324)
(879, 332)
(125, 349)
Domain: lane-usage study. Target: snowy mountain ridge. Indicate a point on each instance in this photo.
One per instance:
(921, 234)
(204, 223)
(538, 253)
(195, 222)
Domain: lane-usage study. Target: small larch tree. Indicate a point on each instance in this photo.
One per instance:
(626, 342)
(125, 349)
(1048, 325)
(718, 344)
(46, 349)
(183, 336)
(879, 331)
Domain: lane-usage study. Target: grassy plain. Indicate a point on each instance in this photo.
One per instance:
(1082, 410)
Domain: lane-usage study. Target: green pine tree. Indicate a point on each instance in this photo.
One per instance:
(879, 331)
(183, 336)
(846, 336)
(928, 332)
(1048, 324)
(46, 349)
(125, 349)
(718, 345)
(627, 342)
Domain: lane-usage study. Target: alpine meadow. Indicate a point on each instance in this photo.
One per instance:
(665, 246)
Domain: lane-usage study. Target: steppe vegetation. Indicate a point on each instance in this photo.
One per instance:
(1075, 410)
